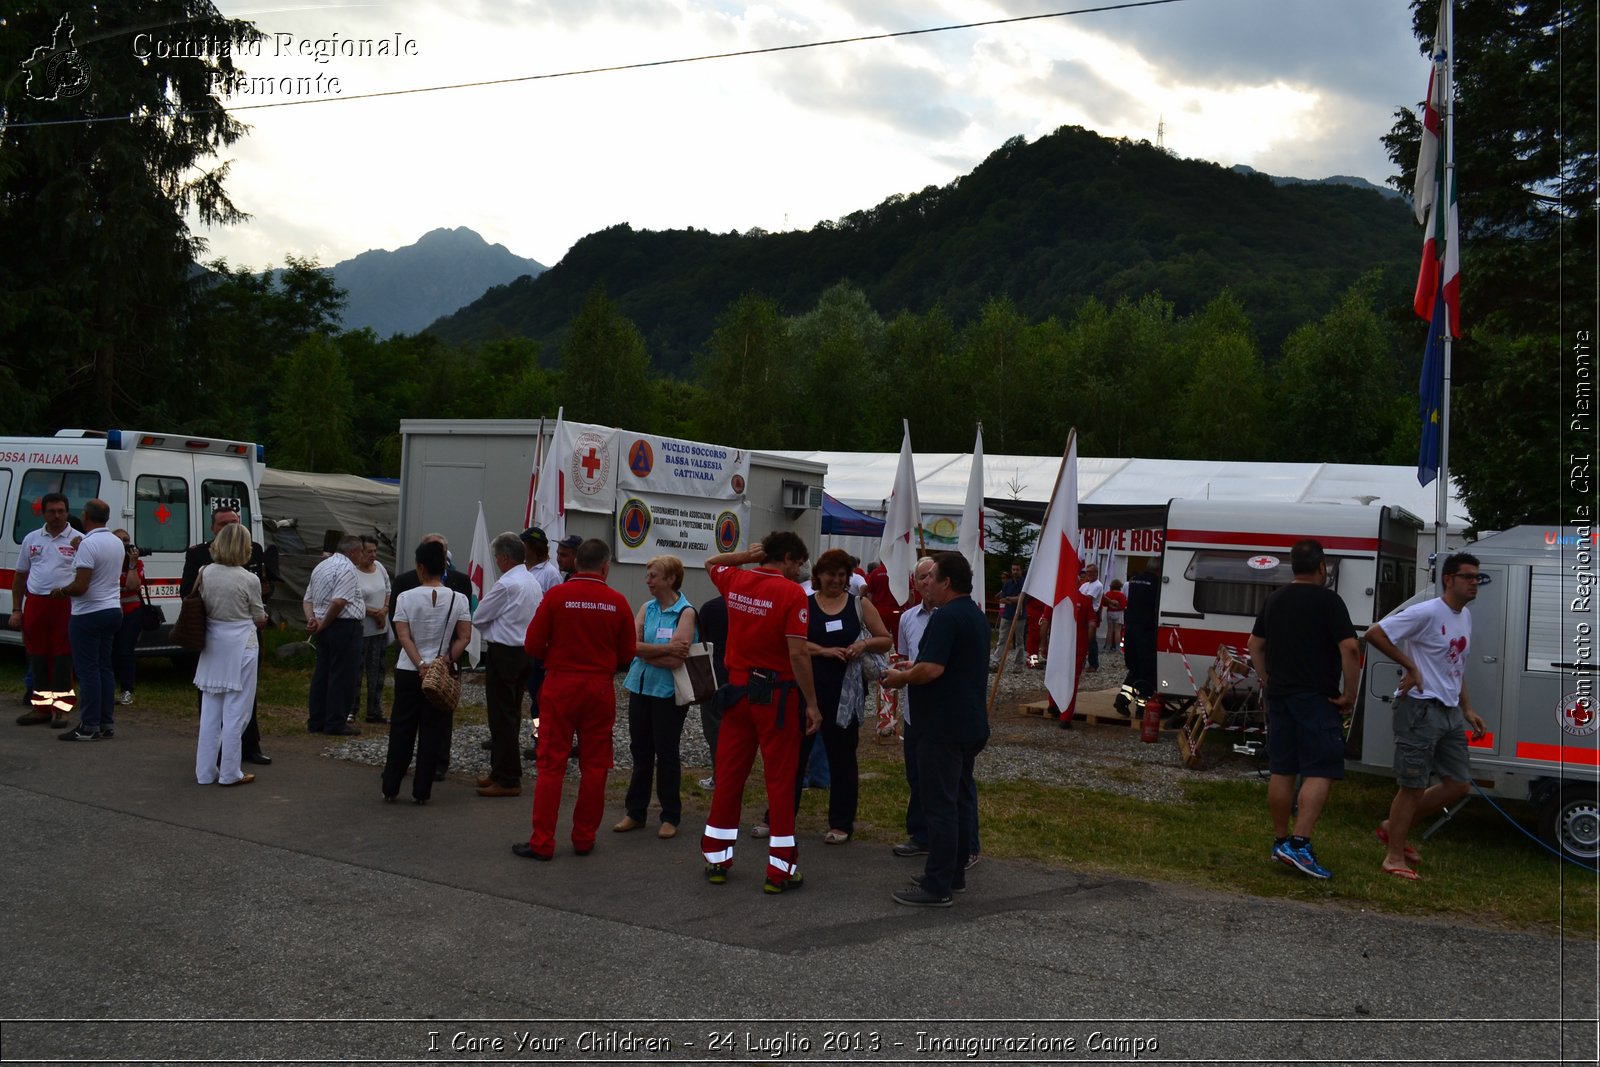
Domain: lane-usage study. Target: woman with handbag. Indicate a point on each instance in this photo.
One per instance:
(845, 634)
(664, 629)
(226, 671)
(432, 623)
(132, 616)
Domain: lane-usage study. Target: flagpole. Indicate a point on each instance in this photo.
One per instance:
(1441, 505)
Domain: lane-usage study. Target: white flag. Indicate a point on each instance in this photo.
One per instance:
(1433, 112)
(1053, 578)
(899, 544)
(479, 566)
(549, 511)
(971, 541)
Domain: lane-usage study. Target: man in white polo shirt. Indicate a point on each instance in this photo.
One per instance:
(333, 607)
(503, 616)
(96, 594)
(43, 564)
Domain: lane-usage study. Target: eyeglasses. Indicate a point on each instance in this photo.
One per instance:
(1473, 578)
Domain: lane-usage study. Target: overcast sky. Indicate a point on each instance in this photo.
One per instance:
(1292, 87)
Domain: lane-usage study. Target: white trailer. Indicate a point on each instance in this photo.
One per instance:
(448, 466)
(161, 487)
(1221, 559)
(1531, 674)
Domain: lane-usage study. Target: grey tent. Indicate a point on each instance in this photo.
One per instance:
(305, 514)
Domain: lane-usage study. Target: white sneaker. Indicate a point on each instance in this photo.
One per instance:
(127, 696)
(708, 783)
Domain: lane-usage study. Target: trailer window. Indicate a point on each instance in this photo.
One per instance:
(1561, 620)
(1226, 583)
(161, 513)
(215, 494)
(76, 486)
(1397, 581)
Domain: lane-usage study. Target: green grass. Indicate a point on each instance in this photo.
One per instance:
(1478, 869)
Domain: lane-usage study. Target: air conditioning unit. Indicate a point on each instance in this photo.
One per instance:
(802, 497)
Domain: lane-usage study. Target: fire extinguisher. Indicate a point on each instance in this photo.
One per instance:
(1150, 727)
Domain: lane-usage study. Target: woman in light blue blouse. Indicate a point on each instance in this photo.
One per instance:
(664, 627)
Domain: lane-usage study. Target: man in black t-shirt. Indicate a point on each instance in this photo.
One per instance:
(264, 565)
(1301, 643)
(952, 724)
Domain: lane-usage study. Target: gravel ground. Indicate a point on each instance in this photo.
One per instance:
(1103, 757)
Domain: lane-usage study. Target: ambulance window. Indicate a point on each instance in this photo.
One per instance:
(216, 494)
(1396, 583)
(77, 486)
(1557, 607)
(1238, 583)
(161, 513)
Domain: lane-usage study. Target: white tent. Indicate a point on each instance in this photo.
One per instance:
(864, 479)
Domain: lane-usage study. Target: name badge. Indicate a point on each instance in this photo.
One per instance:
(833, 626)
(663, 634)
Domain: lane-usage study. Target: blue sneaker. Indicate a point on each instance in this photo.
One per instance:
(1301, 859)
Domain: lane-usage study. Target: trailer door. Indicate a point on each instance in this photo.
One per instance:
(1550, 681)
(1487, 670)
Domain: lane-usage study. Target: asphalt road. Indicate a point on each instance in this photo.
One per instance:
(298, 919)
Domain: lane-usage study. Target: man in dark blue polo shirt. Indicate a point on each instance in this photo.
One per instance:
(948, 682)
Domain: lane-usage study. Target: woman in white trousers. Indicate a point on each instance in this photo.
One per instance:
(226, 673)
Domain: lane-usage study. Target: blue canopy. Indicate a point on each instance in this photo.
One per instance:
(845, 521)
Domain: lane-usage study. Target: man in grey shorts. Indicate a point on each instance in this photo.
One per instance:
(1431, 710)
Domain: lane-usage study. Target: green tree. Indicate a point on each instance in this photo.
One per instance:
(837, 346)
(1335, 384)
(747, 372)
(313, 410)
(1223, 411)
(607, 370)
(1526, 160)
(91, 316)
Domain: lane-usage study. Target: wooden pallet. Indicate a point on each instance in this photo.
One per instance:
(1042, 709)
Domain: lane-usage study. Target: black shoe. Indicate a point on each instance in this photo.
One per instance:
(105, 733)
(487, 746)
(907, 849)
(959, 885)
(918, 897)
(260, 759)
(343, 730)
(525, 850)
(78, 733)
(378, 720)
(794, 881)
(439, 773)
(419, 801)
(1065, 722)
(530, 753)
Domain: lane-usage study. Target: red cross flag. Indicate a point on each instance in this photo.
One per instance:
(1053, 578)
(971, 536)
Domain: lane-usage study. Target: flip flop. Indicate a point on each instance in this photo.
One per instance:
(1411, 854)
(1405, 873)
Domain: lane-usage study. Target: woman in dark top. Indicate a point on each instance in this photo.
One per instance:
(842, 628)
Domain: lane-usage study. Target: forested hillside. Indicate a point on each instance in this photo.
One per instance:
(1049, 224)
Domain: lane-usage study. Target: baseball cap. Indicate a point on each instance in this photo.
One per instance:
(571, 541)
(535, 536)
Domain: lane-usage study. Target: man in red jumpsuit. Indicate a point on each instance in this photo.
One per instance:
(583, 631)
(769, 689)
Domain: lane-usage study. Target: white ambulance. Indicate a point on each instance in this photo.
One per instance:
(1221, 559)
(161, 487)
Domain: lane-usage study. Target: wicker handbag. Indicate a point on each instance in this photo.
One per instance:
(441, 676)
(189, 632)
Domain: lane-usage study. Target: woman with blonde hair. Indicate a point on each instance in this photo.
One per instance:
(226, 673)
(663, 628)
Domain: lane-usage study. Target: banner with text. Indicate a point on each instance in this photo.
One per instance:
(651, 464)
(691, 528)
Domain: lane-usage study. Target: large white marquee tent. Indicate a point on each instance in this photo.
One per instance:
(864, 480)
